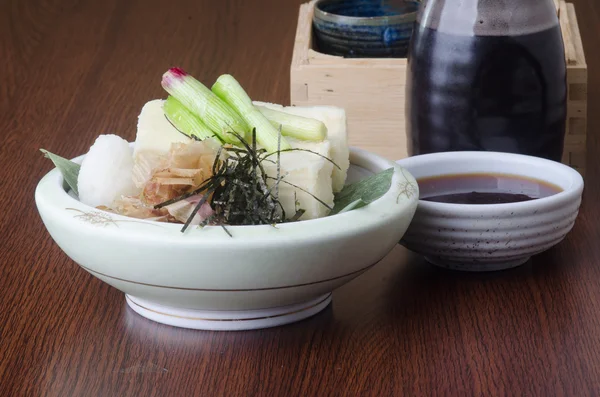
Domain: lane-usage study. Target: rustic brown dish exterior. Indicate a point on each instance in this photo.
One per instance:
(70, 70)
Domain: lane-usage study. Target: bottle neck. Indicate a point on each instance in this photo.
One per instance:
(488, 17)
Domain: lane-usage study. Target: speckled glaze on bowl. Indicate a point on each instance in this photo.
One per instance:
(491, 236)
(363, 28)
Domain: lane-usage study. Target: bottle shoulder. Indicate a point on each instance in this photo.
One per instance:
(488, 17)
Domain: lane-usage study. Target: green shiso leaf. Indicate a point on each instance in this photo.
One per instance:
(353, 205)
(363, 192)
(68, 169)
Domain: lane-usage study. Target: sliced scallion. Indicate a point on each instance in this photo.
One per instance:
(229, 90)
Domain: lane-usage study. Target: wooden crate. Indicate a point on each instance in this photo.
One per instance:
(577, 80)
(372, 90)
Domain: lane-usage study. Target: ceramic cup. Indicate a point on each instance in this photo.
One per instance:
(363, 28)
(485, 237)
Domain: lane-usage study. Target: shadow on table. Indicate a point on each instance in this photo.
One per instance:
(421, 298)
(403, 294)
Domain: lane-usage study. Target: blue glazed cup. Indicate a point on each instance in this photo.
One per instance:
(364, 28)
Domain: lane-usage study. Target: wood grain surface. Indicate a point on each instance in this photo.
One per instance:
(70, 70)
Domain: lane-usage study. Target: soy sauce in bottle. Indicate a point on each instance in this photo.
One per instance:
(486, 75)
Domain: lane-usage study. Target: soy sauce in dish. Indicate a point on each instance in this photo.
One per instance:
(484, 189)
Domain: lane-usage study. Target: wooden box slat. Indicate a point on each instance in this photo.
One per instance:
(577, 78)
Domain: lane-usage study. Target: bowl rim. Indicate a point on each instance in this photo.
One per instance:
(53, 201)
(575, 188)
(364, 21)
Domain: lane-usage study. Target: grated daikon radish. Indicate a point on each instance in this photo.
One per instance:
(105, 173)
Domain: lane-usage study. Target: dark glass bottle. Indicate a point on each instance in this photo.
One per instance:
(486, 75)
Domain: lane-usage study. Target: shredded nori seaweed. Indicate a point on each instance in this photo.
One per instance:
(238, 191)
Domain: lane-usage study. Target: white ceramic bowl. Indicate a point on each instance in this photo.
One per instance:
(491, 236)
(262, 276)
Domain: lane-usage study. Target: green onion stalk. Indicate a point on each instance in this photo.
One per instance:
(231, 92)
(293, 126)
(205, 105)
(185, 121)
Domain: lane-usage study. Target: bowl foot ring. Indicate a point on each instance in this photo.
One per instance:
(474, 266)
(227, 320)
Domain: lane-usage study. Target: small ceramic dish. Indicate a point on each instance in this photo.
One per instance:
(486, 237)
(364, 28)
(260, 277)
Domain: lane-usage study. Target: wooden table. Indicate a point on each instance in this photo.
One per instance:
(70, 70)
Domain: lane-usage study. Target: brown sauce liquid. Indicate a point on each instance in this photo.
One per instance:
(490, 93)
(484, 189)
